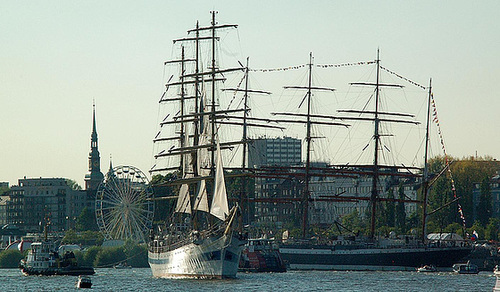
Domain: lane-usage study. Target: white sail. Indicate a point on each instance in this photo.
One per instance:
(184, 201)
(220, 208)
(201, 201)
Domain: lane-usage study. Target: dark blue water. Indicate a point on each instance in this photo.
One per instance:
(142, 280)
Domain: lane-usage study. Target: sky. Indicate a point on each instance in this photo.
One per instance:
(58, 57)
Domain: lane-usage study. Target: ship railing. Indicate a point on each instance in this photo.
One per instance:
(174, 241)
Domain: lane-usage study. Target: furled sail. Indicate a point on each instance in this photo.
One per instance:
(184, 201)
(220, 208)
(203, 164)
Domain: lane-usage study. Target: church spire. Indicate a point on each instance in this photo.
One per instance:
(95, 176)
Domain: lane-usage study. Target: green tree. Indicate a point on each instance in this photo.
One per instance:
(73, 185)
(86, 221)
(478, 228)
(400, 211)
(90, 255)
(10, 258)
(70, 237)
(109, 256)
(161, 188)
(355, 223)
(466, 172)
(137, 255)
(484, 208)
(390, 207)
(4, 190)
(492, 229)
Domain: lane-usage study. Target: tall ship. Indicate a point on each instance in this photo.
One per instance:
(371, 252)
(198, 239)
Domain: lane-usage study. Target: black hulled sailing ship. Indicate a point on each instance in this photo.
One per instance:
(199, 240)
(368, 253)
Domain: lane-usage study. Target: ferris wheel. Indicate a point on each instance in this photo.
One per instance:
(123, 206)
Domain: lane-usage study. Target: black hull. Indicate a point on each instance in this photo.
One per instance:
(321, 258)
(75, 271)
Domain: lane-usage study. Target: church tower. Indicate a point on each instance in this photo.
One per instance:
(95, 176)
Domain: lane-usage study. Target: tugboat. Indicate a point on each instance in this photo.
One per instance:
(261, 255)
(44, 259)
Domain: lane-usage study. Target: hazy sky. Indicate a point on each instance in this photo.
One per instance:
(57, 56)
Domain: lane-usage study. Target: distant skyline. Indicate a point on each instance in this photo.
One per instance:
(58, 56)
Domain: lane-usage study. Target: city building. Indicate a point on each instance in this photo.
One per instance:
(3, 209)
(494, 186)
(277, 153)
(326, 212)
(35, 202)
(285, 151)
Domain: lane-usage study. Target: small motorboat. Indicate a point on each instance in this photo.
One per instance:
(466, 268)
(122, 265)
(84, 282)
(427, 269)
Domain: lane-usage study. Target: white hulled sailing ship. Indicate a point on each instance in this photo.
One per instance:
(198, 240)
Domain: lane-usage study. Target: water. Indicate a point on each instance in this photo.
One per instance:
(141, 280)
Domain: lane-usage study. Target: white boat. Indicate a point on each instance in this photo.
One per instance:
(465, 268)
(198, 240)
(427, 269)
(122, 265)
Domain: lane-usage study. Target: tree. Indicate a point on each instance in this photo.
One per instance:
(10, 258)
(4, 190)
(354, 223)
(478, 228)
(466, 172)
(86, 221)
(109, 256)
(90, 256)
(136, 254)
(492, 229)
(161, 189)
(85, 238)
(390, 207)
(70, 237)
(484, 208)
(73, 185)
(400, 210)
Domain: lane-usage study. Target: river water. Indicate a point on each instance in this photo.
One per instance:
(141, 280)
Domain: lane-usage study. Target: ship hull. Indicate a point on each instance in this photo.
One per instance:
(73, 271)
(213, 258)
(390, 259)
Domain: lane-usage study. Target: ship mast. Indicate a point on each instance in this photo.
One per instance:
(306, 196)
(376, 136)
(377, 119)
(425, 179)
(308, 122)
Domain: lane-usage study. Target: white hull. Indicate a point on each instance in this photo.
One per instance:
(213, 258)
